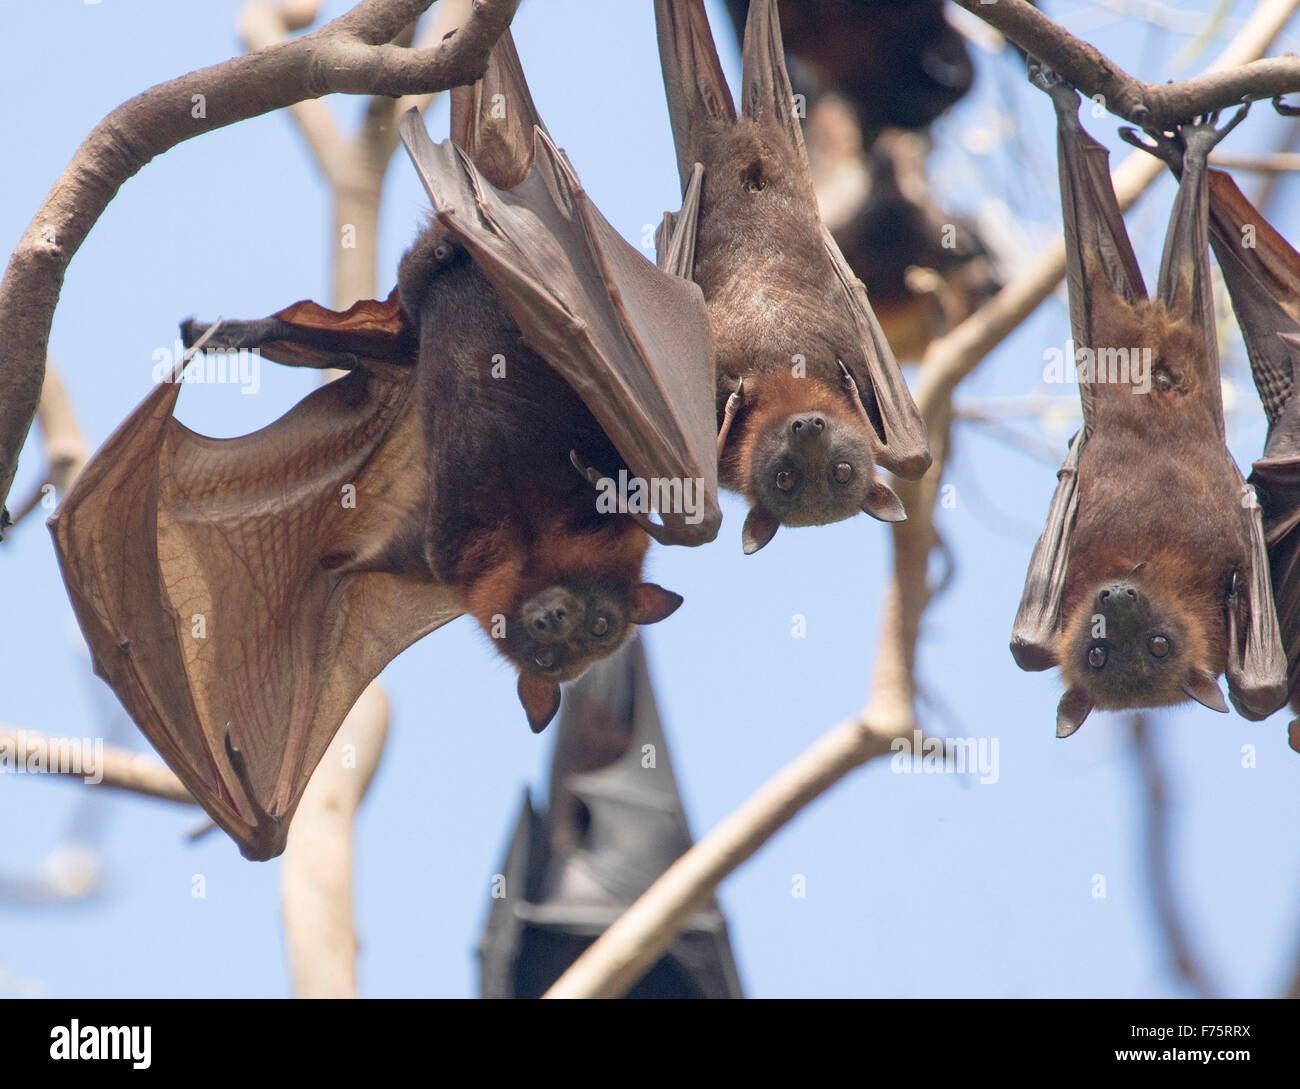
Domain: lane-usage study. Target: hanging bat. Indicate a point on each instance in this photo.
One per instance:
(1150, 579)
(613, 823)
(809, 397)
(1262, 273)
(239, 594)
(898, 62)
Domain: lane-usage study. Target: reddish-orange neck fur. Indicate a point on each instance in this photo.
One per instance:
(499, 570)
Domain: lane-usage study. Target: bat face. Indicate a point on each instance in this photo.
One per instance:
(557, 631)
(1131, 647)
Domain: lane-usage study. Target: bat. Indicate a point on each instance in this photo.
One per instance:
(613, 823)
(1151, 578)
(239, 594)
(810, 398)
(1262, 273)
(899, 63)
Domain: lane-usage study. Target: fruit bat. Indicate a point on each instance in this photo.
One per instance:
(239, 594)
(810, 398)
(1262, 273)
(1150, 578)
(613, 823)
(899, 63)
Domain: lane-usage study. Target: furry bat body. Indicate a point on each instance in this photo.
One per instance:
(809, 396)
(1150, 579)
(1262, 273)
(239, 594)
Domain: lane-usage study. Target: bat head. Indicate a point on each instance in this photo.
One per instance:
(803, 457)
(558, 629)
(1131, 644)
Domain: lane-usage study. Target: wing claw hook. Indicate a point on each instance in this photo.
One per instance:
(734, 403)
(594, 476)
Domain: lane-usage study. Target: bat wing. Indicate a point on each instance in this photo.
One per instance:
(372, 333)
(1263, 282)
(902, 445)
(1033, 638)
(1100, 265)
(630, 339)
(492, 119)
(238, 594)
(675, 238)
(699, 100)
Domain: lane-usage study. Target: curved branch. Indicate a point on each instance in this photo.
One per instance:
(350, 55)
(1238, 75)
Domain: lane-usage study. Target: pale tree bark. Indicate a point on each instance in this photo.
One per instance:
(316, 876)
(636, 940)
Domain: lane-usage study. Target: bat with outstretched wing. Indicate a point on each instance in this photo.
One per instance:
(238, 594)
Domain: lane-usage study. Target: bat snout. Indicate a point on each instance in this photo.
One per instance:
(1118, 597)
(551, 615)
(807, 428)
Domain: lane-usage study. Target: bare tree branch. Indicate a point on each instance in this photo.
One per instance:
(622, 954)
(1237, 76)
(111, 767)
(350, 55)
(65, 445)
(1159, 865)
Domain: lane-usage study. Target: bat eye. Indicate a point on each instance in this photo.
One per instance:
(544, 659)
(785, 480)
(1163, 379)
(843, 472)
(1158, 645)
(1097, 657)
(601, 626)
(442, 251)
(753, 178)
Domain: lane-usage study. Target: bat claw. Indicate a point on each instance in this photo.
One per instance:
(734, 403)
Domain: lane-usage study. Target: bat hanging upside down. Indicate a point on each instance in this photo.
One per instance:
(1151, 577)
(239, 594)
(1262, 273)
(810, 398)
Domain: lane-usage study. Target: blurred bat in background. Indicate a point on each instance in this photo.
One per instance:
(810, 398)
(1151, 577)
(1262, 273)
(239, 594)
(899, 63)
(613, 824)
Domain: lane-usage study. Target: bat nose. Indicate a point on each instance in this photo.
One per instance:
(807, 426)
(1118, 595)
(555, 620)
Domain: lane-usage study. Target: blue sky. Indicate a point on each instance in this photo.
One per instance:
(916, 884)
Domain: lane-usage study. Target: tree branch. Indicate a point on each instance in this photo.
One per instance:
(116, 768)
(350, 55)
(1238, 75)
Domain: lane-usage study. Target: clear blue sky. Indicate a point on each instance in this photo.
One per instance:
(916, 885)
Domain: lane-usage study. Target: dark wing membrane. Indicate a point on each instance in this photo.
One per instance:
(699, 99)
(492, 120)
(630, 339)
(1098, 254)
(765, 83)
(675, 238)
(904, 447)
(372, 333)
(1262, 272)
(1033, 637)
(235, 594)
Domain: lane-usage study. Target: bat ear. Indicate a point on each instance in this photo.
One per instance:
(760, 527)
(882, 503)
(1205, 690)
(1075, 706)
(650, 604)
(541, 699)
